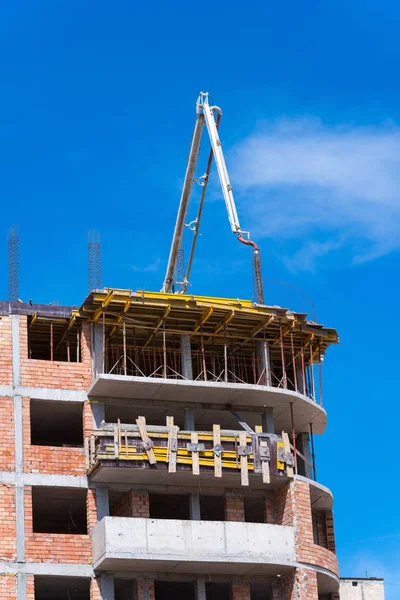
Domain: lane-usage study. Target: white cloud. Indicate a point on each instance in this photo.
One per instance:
(321, 189)
(152, 267)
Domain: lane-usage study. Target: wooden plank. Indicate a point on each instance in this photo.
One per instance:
(217, 459)
(286, 444)
(194, 438)
(265, 463)
(116, 449)
(141, 423)
(170, 424)
(173, 448)
(244, 472)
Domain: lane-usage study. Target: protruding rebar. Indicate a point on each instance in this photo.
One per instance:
(94, 261)
(13, 263)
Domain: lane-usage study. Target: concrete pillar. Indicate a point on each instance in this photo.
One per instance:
(107, 587)
(263, 359)
(188, 419)
(194, 507)
(102, 502)
(268, 425)
(303, 446)
(98, 412)
(96, 348)
(186, 357)
(200, 588)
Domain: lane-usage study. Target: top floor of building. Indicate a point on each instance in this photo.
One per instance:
(193, 350)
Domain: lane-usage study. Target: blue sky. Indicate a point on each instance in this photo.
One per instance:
(96, 113)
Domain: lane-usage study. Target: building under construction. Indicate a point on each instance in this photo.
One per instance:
(161, 445)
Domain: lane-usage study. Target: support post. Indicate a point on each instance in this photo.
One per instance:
(194, 507)
(264, 362)
(268, 425)
(186, 357)
(200, 588)
(188, 419)
(107, 587)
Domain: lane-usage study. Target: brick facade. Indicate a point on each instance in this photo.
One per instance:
(56, 374)
(8, 523)
(133, 504)
(241, 590)
(7, 451)
(234, 507)
(5, 351)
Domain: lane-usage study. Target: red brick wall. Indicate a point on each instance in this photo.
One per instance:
(321, 530)
(300, 585)
(5, 351)
(133, 504)
(56, 374)
(241, 591)
(7, 456)
(54, 547)
(91, 508)
(95, 592)
(293, 508)
(269, 513)
(8, 587)
(307, 551)
(49, 459)
(143, 585)
(234, 507)
(8, 522)
(30, 588)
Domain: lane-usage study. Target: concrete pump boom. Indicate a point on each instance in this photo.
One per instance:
(209, 116)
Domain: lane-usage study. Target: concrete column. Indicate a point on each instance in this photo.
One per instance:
(102, 502)
(188, 419)
(262, 351)
(96, 348)
(268, 425)
(194, 507)
(303, 446)
(107, 587)
(98, 412)
(200, 589)
(186, 357)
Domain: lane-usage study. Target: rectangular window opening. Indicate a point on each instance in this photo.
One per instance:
(169, 506)
(218, 591)
(50, 339)
(71, 588)
(254, 509)
(182, 590)
(55, 423)
(260, 591)
(59, 510)
(212, 508)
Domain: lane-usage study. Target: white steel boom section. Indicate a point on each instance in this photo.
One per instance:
(208, 112)
(184, 202)
(206, 115)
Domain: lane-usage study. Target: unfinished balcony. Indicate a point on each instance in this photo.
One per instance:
(164, 455)
(194, 350)
(184, 546)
